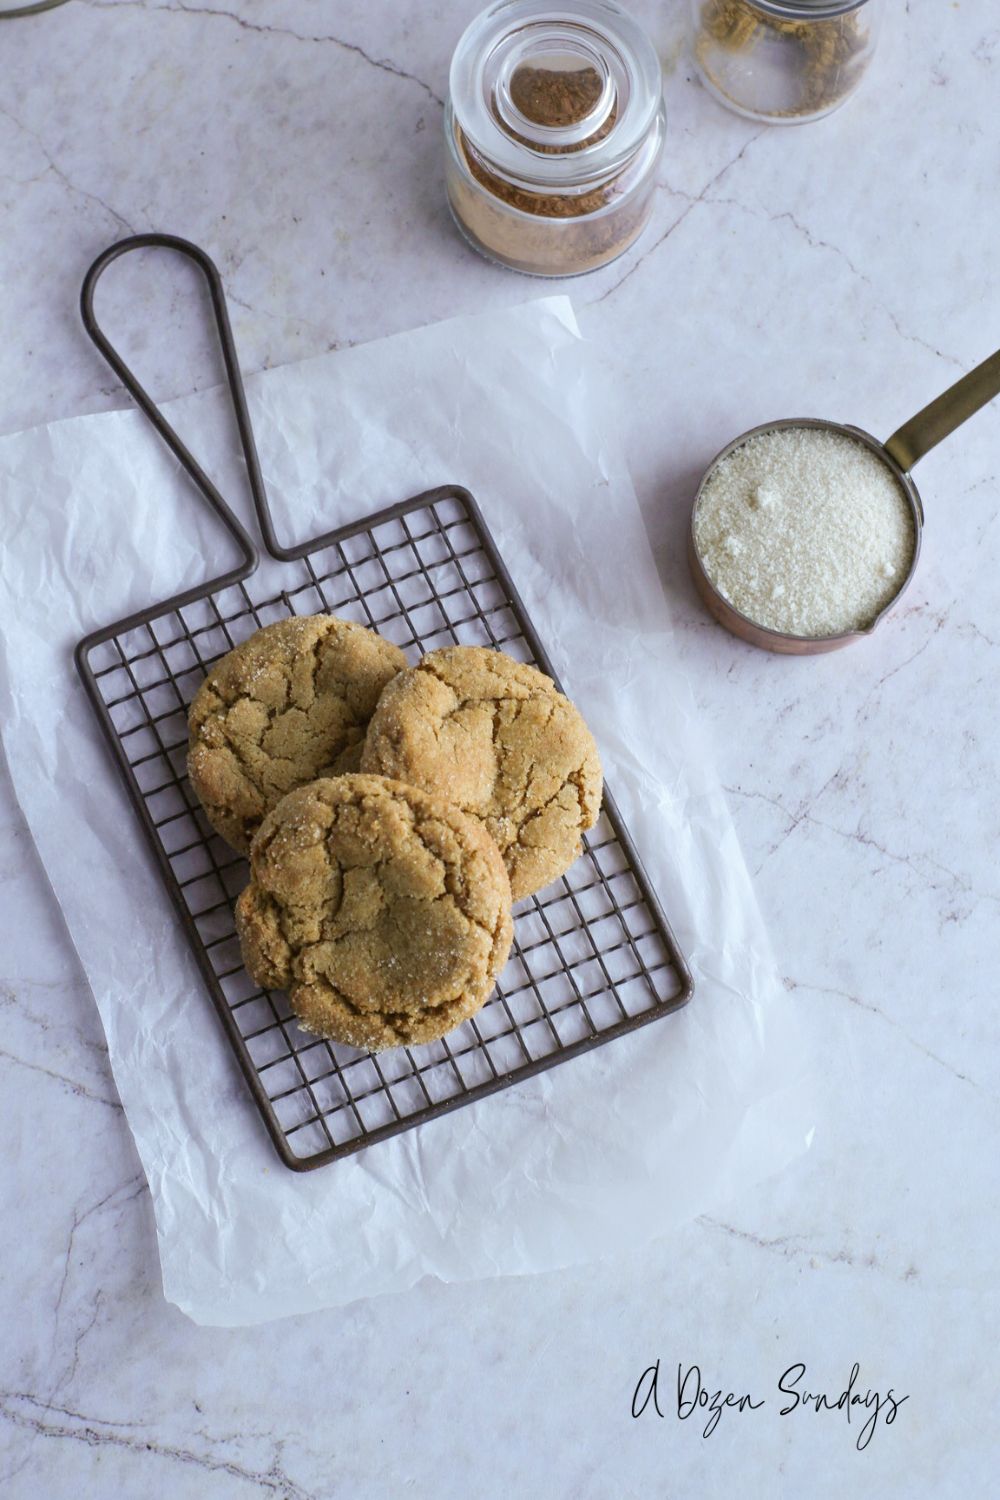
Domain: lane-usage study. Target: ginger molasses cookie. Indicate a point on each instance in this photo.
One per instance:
(288, 705)
(382, 910)
(500, 741)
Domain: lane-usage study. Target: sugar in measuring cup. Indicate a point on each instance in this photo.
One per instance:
(805, 534)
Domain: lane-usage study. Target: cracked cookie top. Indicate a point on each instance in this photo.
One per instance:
(497, 738)
(288, 705)
(382, 910)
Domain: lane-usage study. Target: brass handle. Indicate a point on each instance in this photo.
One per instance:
(939, 420)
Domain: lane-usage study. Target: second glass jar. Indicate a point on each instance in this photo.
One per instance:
(784, 61)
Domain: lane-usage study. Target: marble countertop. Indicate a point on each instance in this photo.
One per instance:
(845, 269)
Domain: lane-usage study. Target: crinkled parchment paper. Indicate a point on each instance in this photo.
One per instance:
(594, 1156)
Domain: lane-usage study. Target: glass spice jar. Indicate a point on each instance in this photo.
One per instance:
(554, 127)
(784, 61)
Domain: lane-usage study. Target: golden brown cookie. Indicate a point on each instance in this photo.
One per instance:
(382, 910)
(498, 739)
(288, 705)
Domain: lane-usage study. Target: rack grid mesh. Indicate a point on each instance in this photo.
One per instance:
(593, 954)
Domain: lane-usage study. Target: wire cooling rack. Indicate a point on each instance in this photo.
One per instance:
(593, 954)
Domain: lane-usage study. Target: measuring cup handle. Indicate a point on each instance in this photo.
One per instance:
(146, 403)
(939, 420)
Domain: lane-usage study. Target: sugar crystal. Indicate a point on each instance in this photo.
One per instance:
(805, 531)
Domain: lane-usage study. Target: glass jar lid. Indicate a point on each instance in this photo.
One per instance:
(811, 10)
(555, 94)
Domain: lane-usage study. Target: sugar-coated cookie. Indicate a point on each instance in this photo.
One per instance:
(381, 909)
(499, 740)
(287, 705)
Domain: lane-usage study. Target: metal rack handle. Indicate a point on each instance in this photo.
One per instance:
(148, 406)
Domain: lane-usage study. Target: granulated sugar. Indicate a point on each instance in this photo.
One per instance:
(805, 531)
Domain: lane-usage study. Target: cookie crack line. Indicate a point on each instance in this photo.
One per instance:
(397, 972)
(521, 732)
(460, 899)
(398, 1019)
(577, 779)
(299, 691)
(369, 804)
(242, 693)
(445, 895)
(523, 793)
(429, 665)
(498, 703)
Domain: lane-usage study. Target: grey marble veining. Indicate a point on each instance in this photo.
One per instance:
(844, 269)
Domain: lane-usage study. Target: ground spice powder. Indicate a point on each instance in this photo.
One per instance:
(558, 229)
(829, 54)
(553, 98)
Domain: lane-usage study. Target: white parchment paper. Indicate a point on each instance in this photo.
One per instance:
(588, 1159)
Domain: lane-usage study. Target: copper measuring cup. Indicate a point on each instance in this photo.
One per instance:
(905, 448)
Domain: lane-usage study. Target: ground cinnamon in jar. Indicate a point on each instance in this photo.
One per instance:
(547, 97)
(554, 130)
